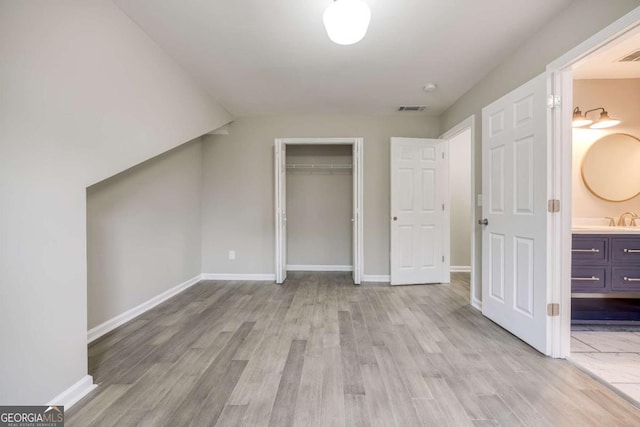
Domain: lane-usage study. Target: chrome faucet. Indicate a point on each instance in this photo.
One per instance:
(622, 221)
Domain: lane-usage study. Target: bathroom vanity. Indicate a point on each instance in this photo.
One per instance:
(606, 260)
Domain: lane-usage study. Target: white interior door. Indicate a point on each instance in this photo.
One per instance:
(281, 210)
(357, 209)
(514, 185)
(419, 215)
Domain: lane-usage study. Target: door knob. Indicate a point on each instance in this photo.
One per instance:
(483, 221)
(395, 218)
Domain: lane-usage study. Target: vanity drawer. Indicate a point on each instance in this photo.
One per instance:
(625, 250)
(625, 279)
(589, 279)
(590, 249)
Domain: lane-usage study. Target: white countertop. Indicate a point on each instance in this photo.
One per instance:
(604, 229)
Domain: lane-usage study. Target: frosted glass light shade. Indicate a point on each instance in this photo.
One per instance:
(347, 21)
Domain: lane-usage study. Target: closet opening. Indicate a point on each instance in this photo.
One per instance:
(318, 205)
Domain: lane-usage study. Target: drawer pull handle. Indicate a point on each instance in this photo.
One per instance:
(589, 279)
(631, 279)
(632, 251)
(593, 250)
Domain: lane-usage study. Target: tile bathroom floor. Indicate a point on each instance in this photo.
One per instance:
(612, 354)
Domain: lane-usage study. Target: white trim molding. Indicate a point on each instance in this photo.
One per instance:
(233, 276)
(476, 303)
(379, 278)
(319, 267)
(460, 269)
(111, 324)
(73, 394)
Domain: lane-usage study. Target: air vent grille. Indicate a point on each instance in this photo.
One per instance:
(412, 108)
(632, 57)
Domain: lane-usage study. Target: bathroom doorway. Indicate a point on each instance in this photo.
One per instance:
(604, 283)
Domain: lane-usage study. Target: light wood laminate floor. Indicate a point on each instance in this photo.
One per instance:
(319, 351)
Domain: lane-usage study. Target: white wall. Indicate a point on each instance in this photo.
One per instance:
(579, 21)
(239, 214)
(319, 207)
(620, 98)
(85, 95)
(460, 193)
(143, 232)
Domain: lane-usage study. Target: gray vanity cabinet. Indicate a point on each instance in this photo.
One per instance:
(604, 263)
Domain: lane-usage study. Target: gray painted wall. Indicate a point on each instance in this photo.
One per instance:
(319, 207)
(239, 214)
(576, 23)
(143, 232)
(85, 95)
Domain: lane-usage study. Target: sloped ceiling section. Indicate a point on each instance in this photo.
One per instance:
(85, 95)
(274, 57)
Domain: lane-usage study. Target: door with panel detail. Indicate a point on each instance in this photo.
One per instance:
(419, 226)
(514, 187)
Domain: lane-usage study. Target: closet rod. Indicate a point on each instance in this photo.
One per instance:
(318, 166)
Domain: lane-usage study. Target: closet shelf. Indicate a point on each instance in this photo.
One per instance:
(318, 166)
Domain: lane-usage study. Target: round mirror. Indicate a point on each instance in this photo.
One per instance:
(611, 167)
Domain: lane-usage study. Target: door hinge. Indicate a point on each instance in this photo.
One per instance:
(443, 206)
(443, 155)
(553, 101)
(553, 206)
(553, 310)
(442, 258)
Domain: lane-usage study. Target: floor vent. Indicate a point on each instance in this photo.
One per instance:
(632, 57)
(412, 108)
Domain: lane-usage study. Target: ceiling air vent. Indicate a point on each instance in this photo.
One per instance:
(632, 57)
(412, 108)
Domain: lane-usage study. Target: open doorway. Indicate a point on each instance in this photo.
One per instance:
(326, 175)
(605, 267)
(598, 267)
(461, 142)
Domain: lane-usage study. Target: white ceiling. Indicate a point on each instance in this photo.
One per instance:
(274, 57)
(606, 65)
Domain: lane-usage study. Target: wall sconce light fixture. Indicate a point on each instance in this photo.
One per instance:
(603, 122)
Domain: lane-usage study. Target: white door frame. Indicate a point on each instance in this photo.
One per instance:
(560, 83)
(358, 166)
(469, 123)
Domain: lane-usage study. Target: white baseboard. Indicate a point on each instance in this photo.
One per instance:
(110, 325)
(376, 278)
(223, 276)
(476, 303)
(460, 269)
(70, 396)
(319, 268)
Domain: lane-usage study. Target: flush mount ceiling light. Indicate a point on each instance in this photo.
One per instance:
(347, 21)
(603, 122)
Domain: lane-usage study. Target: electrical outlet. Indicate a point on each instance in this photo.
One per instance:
(232, 255)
